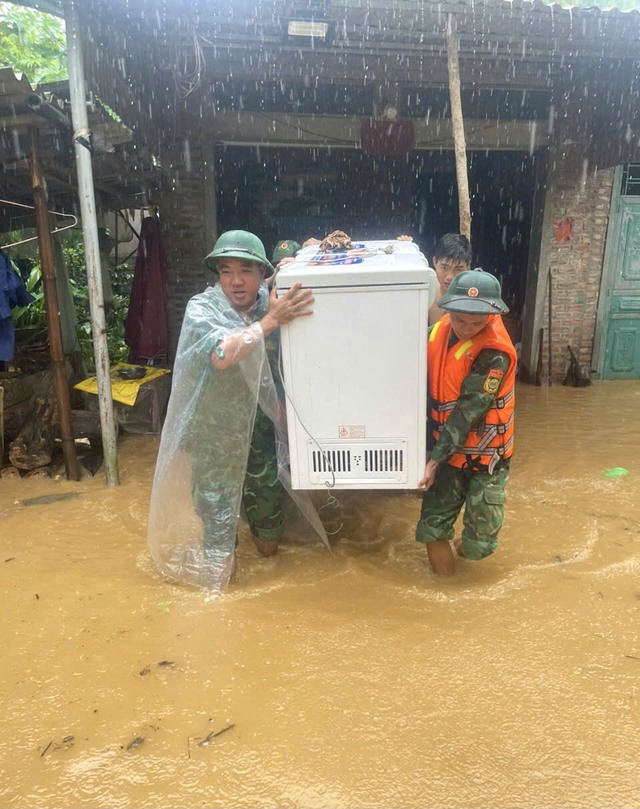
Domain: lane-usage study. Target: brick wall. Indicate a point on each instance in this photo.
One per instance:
(183, 222)
(574, 244)
(579, 200)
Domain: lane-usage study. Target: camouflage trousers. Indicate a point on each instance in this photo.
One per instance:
(482, 496)
(217, 501)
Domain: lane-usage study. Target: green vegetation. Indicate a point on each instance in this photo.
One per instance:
(32, 43)
(33, 317)
(121, 276)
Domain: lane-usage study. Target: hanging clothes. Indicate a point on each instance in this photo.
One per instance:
(146, 331)
(12, 293)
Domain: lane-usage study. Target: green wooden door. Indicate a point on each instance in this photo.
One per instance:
(622, 301)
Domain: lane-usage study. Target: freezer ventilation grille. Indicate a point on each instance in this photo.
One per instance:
(384, 460)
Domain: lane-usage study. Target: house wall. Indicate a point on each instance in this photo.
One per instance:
(588, 59)
(574, 229)
(572, 242)
(186, 223)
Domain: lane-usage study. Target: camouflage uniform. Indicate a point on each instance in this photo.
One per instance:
(263, 494)
(482, 494)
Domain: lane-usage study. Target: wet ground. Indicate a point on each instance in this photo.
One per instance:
(352, 679)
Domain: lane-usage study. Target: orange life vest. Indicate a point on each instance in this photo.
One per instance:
(492, 439)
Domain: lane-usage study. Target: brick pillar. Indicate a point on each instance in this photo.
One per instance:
(572, 234)
(573, 248)
(184, 205)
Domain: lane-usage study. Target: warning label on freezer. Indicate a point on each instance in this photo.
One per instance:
(351, 431)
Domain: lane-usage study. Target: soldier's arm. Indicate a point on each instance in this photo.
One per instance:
(435, 313)
(477, 394)
(296, 302)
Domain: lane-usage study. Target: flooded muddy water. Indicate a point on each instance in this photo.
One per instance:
(351, 679)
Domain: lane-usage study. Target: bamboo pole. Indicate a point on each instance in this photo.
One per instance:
(60, 381)
(86, 192)
(457, 121)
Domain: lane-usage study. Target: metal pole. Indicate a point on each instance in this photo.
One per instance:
(82, 144)
(60, 382)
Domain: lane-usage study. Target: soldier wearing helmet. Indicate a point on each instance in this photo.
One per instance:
(471, 369)
(451, 256)
(285, 249)
(220, 419)
(283, 253)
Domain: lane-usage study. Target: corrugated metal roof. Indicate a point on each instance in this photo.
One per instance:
(518, 30)
(56, 7)
(601, 5)
(23, 106)
(46, 107)
(12, 83)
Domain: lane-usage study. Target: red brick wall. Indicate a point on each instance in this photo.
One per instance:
(574, 244)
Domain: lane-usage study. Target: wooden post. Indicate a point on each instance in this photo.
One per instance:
(60, 382)
(457, 121)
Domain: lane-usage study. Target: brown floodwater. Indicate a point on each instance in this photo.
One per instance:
(350, 679)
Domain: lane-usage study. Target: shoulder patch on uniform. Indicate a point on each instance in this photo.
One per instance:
(493, 380)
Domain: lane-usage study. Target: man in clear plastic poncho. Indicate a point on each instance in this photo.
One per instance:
(223, 443)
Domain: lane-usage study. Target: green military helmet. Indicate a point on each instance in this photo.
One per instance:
(474, 292)
(286, 248)
(239, 244)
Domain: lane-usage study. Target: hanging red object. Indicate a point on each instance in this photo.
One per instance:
(146, 331)
(387, 138)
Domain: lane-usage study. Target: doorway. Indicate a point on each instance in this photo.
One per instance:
(285, 193)
(618, 327)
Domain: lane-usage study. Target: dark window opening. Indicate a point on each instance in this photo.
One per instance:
(503, 105)
(284, 193)
(325, 99)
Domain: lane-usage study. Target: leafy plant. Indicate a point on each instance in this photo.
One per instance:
(34, 313)
(34, 316)
(115, 320)
(121, 276)
(33, 43)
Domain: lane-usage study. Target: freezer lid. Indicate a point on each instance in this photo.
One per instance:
(370, 263)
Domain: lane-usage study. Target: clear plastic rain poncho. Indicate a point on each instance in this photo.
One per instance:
(202, 460)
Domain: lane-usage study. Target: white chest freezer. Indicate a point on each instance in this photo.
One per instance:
(355, 371)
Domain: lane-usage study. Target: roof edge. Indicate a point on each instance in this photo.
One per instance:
(46, 6)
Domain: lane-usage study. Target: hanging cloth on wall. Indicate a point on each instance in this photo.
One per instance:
(146, 331)
(12, 293)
